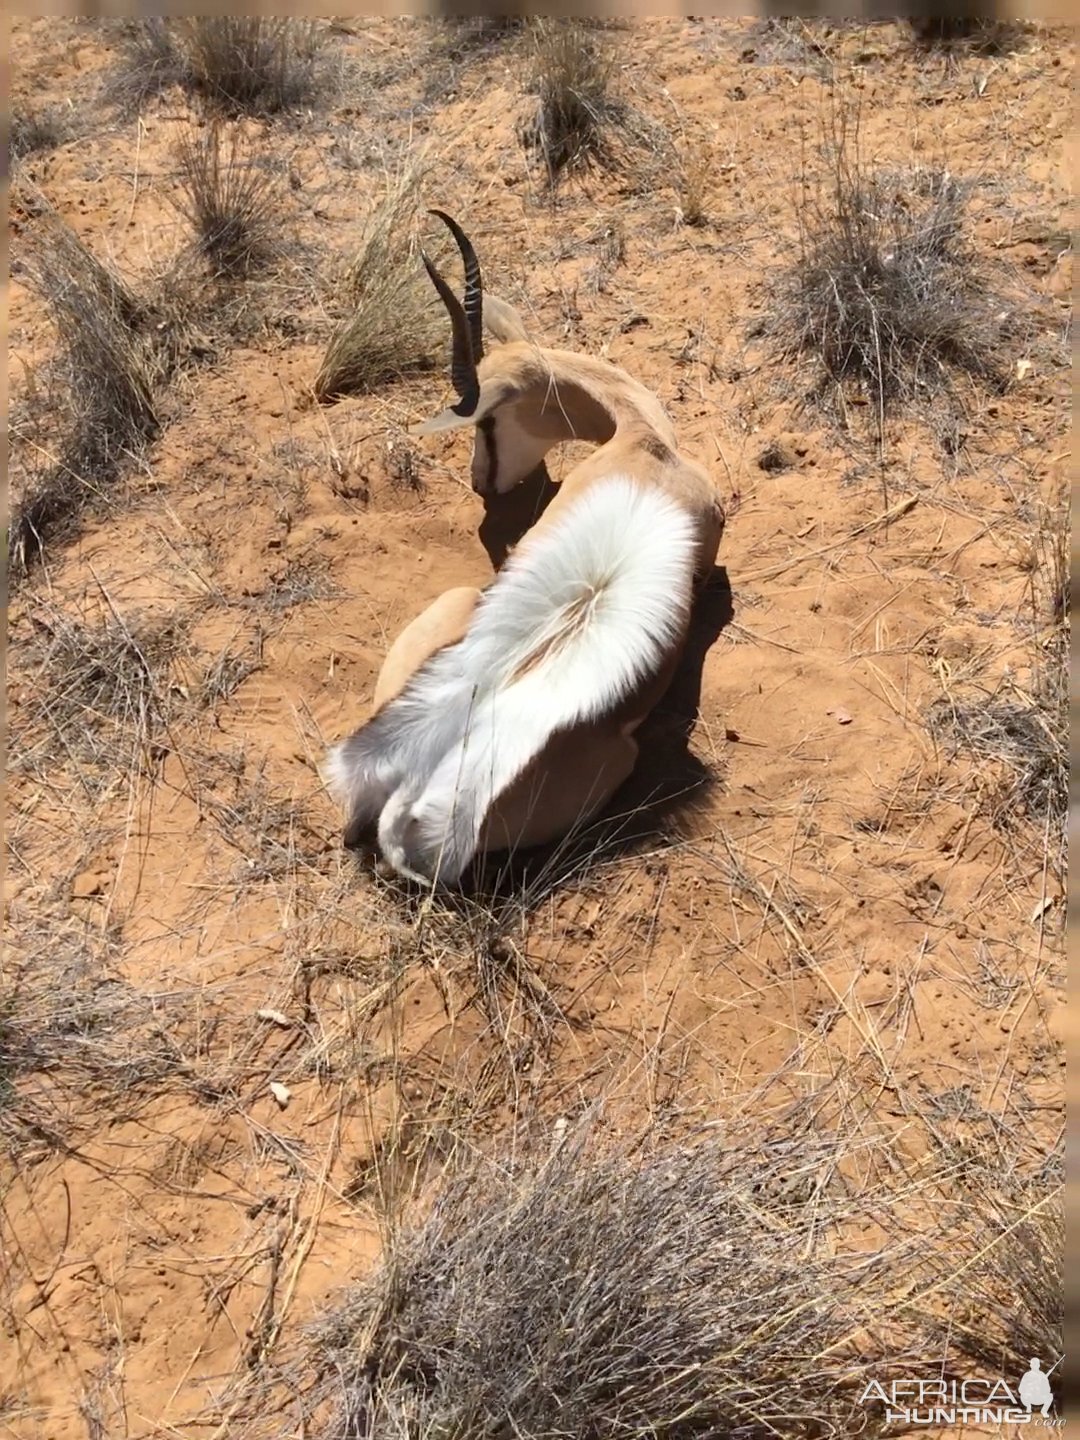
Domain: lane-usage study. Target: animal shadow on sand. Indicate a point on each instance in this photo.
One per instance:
(507, 517)
(667, 781)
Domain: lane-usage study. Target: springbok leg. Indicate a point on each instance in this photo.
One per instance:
(443, 623)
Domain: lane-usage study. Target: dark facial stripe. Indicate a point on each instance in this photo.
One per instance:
(486, 426)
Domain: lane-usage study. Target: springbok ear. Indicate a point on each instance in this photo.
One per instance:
(504, 322)
(446, 421)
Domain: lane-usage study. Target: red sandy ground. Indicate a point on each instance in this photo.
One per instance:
(885, 924)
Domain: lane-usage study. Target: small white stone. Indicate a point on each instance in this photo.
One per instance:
(276, 1017)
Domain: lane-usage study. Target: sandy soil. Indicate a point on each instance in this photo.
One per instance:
(834, 897)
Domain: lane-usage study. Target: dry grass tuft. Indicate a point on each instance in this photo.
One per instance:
(152, 62)
(250, 65)
(969, 34)
(1021, 1275)
(994, 1287)
(393, 326)
(1025, 737)
(458, 38)
(480, 943)
(113, 355)
(229, 199)
(305, 579)
(73, 1033)
(228, 670)
(694, 181)
(33, 132)
(1022, 732)
(807, 41)
(749, 1279)
(603, 1291)
(888, 299)
(1017, 1282)
(571, 73)
(95, 695)
(459, 41)
(263, 832)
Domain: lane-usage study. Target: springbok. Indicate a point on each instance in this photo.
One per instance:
(504, 718)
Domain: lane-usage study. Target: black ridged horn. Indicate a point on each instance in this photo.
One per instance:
(474, 284)
(462, 364)
(466, 321)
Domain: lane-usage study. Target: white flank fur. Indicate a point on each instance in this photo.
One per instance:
(432, 761)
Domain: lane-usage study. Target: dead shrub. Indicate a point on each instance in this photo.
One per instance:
(887, 296)
(73, 1032)
(250, 65)
(392, 326)
(34, 132)
(113, 354)
(571, 73)
(599, 1291)
(971, 34)
(750, 1280)
(229, 199)
(95, 694)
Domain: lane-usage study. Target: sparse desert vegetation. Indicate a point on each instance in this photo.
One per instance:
(572, 75)
(35, 131)
(697, 1122)
(229, 200)
(594, 1288)
(888, 294)
(978, 34)
(97, 692)
(108, 362)
(1019, 733)
(249, 65)
(390, 325)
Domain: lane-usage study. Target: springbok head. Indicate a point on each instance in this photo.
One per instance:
(495, 391)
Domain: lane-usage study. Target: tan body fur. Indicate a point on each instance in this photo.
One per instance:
(523, 400)
(556, 396)
(553, 396)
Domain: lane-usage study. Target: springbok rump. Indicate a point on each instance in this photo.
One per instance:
(505, 718)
